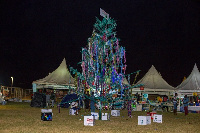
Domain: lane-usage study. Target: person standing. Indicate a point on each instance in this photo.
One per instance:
(52, 98)
(47, 99)
(129, 107)
(92, 103)
(137, 97)
(175, 102)
(185, 103)
(87, 101)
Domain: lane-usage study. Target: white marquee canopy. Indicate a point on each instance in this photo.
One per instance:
(192, 83)
(58, 79)
(153, 83)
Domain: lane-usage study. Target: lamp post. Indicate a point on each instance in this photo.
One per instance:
(11, 86)
(12, 81)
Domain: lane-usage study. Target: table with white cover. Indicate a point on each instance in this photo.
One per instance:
(194, 108)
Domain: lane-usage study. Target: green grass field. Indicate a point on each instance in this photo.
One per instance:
(21, 118)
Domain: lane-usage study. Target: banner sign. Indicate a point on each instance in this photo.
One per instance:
(145, 95)
(104, 14)
(141, 88)
(34, 87)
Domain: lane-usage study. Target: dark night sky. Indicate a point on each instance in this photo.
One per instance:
(36, 35)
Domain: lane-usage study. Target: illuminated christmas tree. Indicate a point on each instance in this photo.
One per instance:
(103, 60)
(103, 66)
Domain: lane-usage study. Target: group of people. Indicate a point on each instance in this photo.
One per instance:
(89, 102)
(185, 104)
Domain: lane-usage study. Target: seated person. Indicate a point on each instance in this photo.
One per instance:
(191, 103)
(165, 106)
(197, 103)
(74, 106)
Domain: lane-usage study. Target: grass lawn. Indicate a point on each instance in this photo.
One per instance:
(20, 117)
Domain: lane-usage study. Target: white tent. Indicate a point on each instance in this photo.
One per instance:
(57, 79)
(153, 83)
(192, 83)
(125, 81)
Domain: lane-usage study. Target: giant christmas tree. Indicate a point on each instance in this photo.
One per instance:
(103, 66)
(103, 60)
